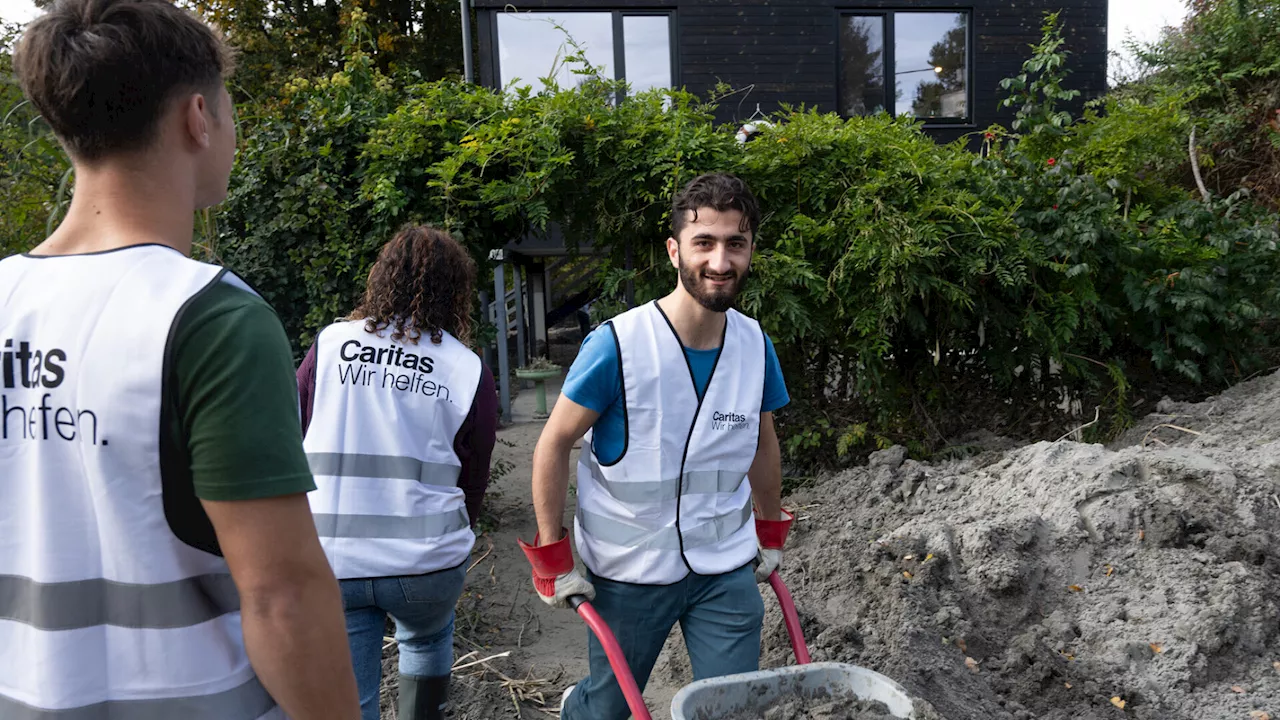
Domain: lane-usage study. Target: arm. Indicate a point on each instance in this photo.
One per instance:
(772, 522)
(766, 471)
(307, 386)
(567, 424)
(290, 606)
(237, 394)
(475, 442)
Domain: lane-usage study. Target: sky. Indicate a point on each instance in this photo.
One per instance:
(1141, 18)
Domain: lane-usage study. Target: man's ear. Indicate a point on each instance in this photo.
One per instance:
(195, 117)
(673, 251)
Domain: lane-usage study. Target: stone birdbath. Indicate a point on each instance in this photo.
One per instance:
(539, 371)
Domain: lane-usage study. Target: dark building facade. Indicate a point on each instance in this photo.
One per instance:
(939, 60)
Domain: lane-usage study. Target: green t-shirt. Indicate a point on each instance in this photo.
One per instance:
(230, 427)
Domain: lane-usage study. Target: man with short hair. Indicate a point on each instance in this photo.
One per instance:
(679, 396)
(158, 557)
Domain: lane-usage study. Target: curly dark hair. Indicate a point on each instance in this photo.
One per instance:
(422, 282)
(720, 192)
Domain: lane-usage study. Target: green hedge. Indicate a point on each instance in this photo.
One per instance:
(913, 289)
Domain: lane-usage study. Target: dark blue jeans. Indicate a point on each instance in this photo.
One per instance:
(720, 615)
(422, 606)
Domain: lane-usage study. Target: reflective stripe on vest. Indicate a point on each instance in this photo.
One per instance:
(104, 611)
(391, 526)
(249, 701)
(678, 500)
(385, 418)
(697, 482)
(85, 603)
(383, 466)
(610, 530)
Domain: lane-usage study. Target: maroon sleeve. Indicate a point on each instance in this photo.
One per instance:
(307, 386)
(474, 444)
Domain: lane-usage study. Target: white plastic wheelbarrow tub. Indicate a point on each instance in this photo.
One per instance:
(734, 696)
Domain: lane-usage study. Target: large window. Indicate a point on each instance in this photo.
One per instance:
(909, 63)
(635, 47)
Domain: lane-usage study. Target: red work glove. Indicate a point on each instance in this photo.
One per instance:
(554, 576)
(771, 536)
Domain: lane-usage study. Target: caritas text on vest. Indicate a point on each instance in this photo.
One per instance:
(392, 359)
(30, 379)
(728, 421)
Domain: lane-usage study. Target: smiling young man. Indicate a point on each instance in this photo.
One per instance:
(678, 396)
(158, 557)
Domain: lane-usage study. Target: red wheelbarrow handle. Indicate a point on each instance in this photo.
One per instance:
(790, 618)
(617, 661)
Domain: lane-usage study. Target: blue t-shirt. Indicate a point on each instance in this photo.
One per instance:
(595, 382)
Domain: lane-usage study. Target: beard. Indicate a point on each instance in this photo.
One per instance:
(714, 299)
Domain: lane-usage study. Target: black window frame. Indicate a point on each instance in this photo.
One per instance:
(891, 59)
(619, 38)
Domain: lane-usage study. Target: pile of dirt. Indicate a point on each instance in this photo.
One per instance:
(1060, 580)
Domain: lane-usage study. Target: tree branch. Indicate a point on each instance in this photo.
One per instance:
(1195, 165)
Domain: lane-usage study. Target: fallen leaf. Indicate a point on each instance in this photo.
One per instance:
(1276, 665)
(971, 664)
(960, 643)
(1259, 715)
(928, 557)
(1110, 570)
(909, 557)
(1118, 702)
(1237, 689)
(1068, 685)
(1071, 658)
(1075, 588)
(1157, 648)
(906, 574)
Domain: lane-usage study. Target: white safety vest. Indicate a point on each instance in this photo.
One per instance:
(380, 443)
(104, 612)
(679, 499)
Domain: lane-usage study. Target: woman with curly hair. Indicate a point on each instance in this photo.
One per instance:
(400, 419)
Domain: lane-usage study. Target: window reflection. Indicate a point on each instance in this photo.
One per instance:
(531, 47)
(931, 59)
(862, 64)
(929, 54)
(647, 51)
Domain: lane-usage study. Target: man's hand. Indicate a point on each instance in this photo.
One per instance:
(554, 576)
(772, 535)
(766, 562)
(290, 606)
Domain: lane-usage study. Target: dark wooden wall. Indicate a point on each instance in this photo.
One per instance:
(787, 49)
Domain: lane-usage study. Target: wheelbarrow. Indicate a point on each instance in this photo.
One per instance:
(731, 695)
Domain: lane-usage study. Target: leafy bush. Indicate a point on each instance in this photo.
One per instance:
(1219, 74)
(35, 176)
